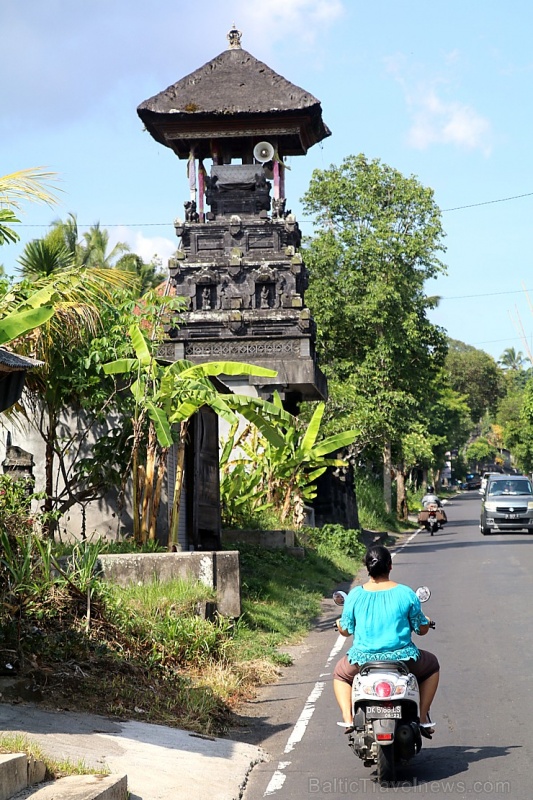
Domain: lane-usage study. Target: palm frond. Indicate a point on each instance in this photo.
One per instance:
(27, 184)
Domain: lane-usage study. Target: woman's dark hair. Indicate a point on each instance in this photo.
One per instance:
(378, 561)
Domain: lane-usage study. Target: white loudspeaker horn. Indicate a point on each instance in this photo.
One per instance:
(263, 152)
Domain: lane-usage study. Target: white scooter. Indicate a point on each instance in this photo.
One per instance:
(386, 716)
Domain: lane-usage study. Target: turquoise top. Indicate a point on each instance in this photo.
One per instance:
(381, 623)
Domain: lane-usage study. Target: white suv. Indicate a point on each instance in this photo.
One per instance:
(484, 479)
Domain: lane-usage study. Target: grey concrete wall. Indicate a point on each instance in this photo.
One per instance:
(219, 570)
(271, 540)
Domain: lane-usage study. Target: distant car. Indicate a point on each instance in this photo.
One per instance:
(473, 481)
(484, 479)
(507, 504)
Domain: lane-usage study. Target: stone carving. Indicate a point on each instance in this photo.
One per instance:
(265, 296)
(191, 215)
(265, 349)
(206, 298)
(278, 208)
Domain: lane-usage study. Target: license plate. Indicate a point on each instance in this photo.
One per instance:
(512, 516)
(384, 712)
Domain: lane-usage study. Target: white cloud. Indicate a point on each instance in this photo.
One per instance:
(301, 20)
(436, 121)
(147, 247)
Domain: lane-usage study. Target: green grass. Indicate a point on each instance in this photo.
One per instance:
(281, 596)
(149, 653)
(19, 743)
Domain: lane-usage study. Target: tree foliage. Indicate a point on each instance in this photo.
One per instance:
(378, 237)
(474, 374)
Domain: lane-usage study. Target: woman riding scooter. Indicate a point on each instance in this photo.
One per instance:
(381, 616)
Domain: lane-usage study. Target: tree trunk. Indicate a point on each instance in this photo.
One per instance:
(173, 543)
(401, 496)
(161, 472)
(387, 482)
(149, 479)
(50, 525)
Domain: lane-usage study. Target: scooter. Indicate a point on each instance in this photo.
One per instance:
(432, 518)
(386, 715)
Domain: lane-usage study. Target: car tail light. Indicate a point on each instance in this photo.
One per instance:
(383, 689)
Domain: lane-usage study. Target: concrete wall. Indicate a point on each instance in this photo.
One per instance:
(271, 540)
(219, 570)
(104, 517)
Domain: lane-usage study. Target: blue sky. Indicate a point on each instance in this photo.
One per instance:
(441, 90)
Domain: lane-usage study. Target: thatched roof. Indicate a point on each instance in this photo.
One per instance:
(12, 362)
(233, 86)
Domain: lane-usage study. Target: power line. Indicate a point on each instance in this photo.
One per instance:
(484, 294)
(489, 202)
(165, 224)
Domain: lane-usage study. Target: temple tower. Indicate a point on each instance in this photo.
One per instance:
(234, 121)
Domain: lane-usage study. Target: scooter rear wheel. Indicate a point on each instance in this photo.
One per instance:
(386, 763)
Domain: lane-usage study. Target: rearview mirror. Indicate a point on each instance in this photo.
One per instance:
(423, 593)
(339, 597)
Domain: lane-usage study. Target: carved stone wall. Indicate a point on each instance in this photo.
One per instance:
(244, 281)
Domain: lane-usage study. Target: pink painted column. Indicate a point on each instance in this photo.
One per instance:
(276, 171)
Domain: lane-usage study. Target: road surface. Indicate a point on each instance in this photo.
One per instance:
(482, 597)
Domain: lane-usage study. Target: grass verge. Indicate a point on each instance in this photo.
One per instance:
(149, 655)
(19, 743)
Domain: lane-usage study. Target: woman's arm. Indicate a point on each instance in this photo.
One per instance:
(341, 630)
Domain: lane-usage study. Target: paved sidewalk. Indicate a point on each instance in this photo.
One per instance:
(161, 763)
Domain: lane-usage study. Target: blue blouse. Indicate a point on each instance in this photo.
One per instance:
(381, 623)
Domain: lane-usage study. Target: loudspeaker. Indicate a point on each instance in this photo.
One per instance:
(263, 152)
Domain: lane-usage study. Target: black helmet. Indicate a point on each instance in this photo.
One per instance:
(431, 489)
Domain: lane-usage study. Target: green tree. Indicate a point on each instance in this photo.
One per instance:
(166, 397)
(378, 235)
(149, 275)
(474, 374)
(72, 344)
(512, 360)
(480, 450)
(278, 474)
(97, 248)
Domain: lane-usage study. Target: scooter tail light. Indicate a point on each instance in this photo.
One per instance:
(383, 689)
(384, 737)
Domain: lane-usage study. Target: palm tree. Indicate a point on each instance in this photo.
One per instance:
(148, 275)
(42, 257)
(512, 360)
(24, 185)
(96, 248)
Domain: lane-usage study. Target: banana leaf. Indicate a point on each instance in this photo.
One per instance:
(215, 368)
(139, 345)
(161, 424)
(313, 428)
(120, 366)
(19, 322)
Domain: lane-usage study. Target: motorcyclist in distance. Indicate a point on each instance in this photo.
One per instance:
(430, 497)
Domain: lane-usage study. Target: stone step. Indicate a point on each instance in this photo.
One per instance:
(22, 777)
(80, 787)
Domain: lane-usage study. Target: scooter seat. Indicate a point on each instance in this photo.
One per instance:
(385, 666)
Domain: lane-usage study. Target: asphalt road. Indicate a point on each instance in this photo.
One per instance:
(481, 600)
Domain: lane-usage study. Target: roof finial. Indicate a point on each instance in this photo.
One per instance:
(234, 38)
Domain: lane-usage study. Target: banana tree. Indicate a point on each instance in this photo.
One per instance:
(285, 476)
(167, 397)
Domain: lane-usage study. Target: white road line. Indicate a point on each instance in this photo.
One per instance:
(278, 778)
(410, 539)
